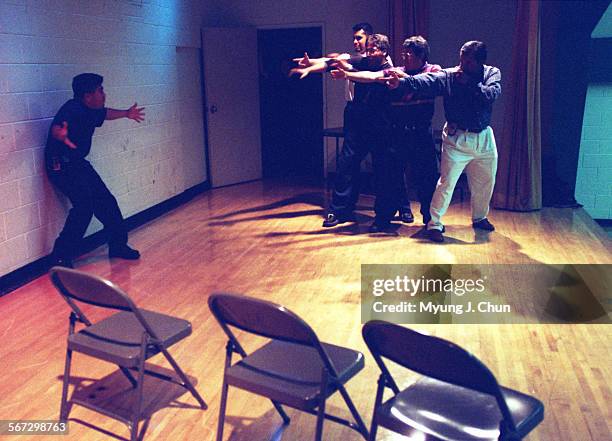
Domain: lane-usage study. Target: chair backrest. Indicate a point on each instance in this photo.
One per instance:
(94, 290)
(432, 357)
(262, 318)
(90, 289)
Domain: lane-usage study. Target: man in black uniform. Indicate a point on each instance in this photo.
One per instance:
(355, 147)
(68, 143)
(366, 126)
(412, 142)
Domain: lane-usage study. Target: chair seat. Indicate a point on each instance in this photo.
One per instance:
(441, 411)
(117, 338)
(291, 373)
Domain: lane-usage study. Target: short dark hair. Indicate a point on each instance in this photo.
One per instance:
(418, 45)
(476, 48)
(380, 41)
(365, 27)
(85, 83)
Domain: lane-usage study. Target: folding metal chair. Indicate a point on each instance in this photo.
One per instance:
(294, 368)
(126, 338)
(459, 399)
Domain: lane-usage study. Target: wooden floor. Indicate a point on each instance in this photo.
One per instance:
(265, 240)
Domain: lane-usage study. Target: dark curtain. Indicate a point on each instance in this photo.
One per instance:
(406, 18)
(519, 179)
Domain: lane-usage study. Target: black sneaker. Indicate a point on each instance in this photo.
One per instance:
(435, 236)
(123, 252)
(483, 224)
(406, 215)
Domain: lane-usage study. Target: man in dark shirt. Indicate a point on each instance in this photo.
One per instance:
(68, 143)
(355, 148)
(412, 142)
(368, 129)
(468, 143)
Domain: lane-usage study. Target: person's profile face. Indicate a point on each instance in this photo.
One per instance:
(411, 60)
(359, 41)
(375, 55)
(95, 99)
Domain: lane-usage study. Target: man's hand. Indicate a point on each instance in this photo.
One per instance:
(301, 71)
(338, 74)
(136, 113)
(400, 73)
(392, 81)
(61, 134)
(341, 64)
(304, 61)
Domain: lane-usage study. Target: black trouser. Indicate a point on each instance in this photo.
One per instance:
(412, 145)
(89, 196)
(365, 131)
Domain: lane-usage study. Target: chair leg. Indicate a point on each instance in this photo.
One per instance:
(222, 408)
(281, 411)
(380, 390)
(321, 412)
(139, 389)
(320, 420)
(347, 399)
(66, 380)
(373, 430)
(184, 379)
(129, 376)
(229, 350)
(72, 319)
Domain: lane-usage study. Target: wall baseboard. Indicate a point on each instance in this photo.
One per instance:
(19, 277)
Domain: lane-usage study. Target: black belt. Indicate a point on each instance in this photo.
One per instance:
(472, 130)
(411, 126)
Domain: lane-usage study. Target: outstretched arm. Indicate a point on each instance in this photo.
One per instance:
(306, 61)
(364, 76)
(360, 76)
(319, 66)
(429, 84)
(307, 65)
(303, 72)
(134, 113)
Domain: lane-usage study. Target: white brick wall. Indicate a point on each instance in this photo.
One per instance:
(594, 182)
(133, 44)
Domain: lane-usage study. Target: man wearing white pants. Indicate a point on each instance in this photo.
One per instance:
(474, 153)
(468, 143)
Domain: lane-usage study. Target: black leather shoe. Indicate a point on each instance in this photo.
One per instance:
(406, 215)
(123, 252)
(379, 227)
(483, 224)
(435, 236)
(331, 220)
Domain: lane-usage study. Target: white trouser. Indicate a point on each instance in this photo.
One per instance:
(476, 153)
